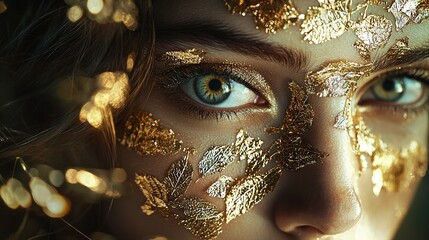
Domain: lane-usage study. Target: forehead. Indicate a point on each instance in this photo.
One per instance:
(174, 14)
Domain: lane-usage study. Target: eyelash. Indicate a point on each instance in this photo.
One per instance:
(419, 74)
(171, 80)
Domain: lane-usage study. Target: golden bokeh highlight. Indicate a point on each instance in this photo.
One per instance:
(74, 13)
(3, 7)
(15, 195)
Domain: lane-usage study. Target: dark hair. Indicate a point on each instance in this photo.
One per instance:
(45, 58)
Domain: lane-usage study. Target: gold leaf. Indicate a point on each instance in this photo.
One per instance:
(398, 49)
(335, 79)
(248, 192)
(363, 50)
(299, 115)
(216, 159)
(294, 156)
(269, 15)
(177, 58)
(155, 193)
(405, 11)
(178, 178)
(202, 218)
(324, 23)
(250, 150)
(145, 135)
(373, 31)
(219, 188)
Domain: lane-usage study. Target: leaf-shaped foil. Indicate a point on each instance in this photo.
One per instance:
(405, 11)
(250, 150)
(201, 218)
(323, 24)
(178, 58)
(155, 193)
(374, 31)
(363, 50)
(335, 79)
(269, 15)
(294, 156)
(299, 115)
(178, 178)
(248, 192)
(216, 159)
(144, 134)
(219, 188)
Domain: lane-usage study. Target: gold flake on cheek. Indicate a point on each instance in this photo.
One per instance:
(144, 134)
(249, 191)
(218, 189)
(269, 15)
(291, 151)
(373, 31)
(216, 159)
(405, 11)
(185, 57)
(392, 169)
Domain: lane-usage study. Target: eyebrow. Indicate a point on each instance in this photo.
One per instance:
(406, 57)
(220, 36)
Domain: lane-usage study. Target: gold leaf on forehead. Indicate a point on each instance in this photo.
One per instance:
(405, 11)
(363, 50)
(155, 192)
(398, 49)
(299, 115)
(327, 22)
(178, 178)
(215, 159)
(269, 15)
(374, 31)
(335, 79)
(218, 189)
(248, 192)
(189, 56)
(250, 150)
(201, 218)
(144, 134)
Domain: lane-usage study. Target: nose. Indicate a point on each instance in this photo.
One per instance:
(320, 199)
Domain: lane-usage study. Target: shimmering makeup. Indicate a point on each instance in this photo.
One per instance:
(145, 135)
(269, 16)
(185, 57)
(392, 168)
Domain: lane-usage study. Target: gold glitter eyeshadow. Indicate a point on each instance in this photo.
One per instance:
(185, 57)
(218, 189)
(405, 11)
(391, 168)
(247, 192)
(269, 15)
(144, 134)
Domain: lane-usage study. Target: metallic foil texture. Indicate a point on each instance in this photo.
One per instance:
(392, 168)
(144, 134)
(406, 11)
(269, 15)
(185, 57)
(218, 189)
(216, 159)
(373, 31)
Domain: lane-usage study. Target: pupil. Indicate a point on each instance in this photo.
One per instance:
(389, 85)
(215, 85)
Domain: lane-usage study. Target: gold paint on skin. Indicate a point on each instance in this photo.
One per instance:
(392, 168)
(218, 189)
(269, 15)
(185, 57)
(144, 134)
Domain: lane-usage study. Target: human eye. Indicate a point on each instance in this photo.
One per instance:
(216, 90)
(403, 89)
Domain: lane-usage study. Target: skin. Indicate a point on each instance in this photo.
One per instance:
(328, 200)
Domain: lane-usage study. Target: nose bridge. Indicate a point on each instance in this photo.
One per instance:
(321, 198)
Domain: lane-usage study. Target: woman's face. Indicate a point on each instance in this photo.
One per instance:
(246, 79)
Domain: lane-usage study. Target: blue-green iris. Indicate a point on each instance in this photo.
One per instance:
(212, 89)
(389, 90)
